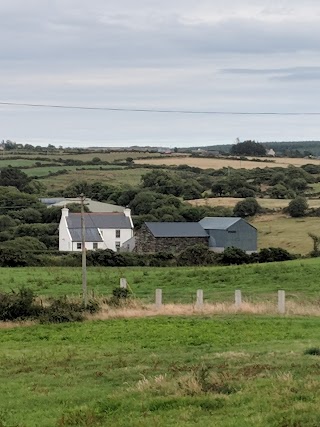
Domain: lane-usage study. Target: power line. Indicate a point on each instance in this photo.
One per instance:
(162, 110)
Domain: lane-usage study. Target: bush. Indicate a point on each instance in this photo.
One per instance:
(22, 305)
(247, 207)
(234, 256)
(18, 305)
(275, 255)
(313, 351)
(196, 255)
(120, 297)
(297, 207)
(162, 259)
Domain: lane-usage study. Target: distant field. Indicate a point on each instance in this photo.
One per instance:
(18, 162)
(259, 282)
(220, 163)
(230, 202)
(287, 233)
(114, 177)
(43, 171)
(109, 157)
(224, 371)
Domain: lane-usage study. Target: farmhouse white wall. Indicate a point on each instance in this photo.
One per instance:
(108, 236)
(110, 239)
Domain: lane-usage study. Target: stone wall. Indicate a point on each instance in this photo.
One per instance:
(147, 243)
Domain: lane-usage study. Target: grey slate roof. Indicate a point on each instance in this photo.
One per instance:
(218, 223)
(176, 229)
(91, 235)
(92, 220)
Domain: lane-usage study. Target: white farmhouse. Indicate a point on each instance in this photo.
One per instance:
(108, 230)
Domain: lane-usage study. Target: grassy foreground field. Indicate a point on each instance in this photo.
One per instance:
(259, 282)
(233, 371)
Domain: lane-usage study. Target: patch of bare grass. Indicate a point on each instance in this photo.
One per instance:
(138, 309)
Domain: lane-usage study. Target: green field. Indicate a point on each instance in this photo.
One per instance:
(20, 163)
(43, 171)
(258, 282)
(115, 177)
(86, 156)
(288, 233)
(233, 371)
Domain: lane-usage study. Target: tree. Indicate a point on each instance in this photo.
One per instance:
(279, 191)
(316, 244)
(298, 207)
(247, 207)
(248, 148)
(12, 177)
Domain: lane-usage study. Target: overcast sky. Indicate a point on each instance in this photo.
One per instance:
(217, 55)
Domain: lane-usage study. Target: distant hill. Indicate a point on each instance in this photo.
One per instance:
(285, 148)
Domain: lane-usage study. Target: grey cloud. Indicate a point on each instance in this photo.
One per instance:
(280, 74)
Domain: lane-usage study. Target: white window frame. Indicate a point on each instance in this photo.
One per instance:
(79, 245)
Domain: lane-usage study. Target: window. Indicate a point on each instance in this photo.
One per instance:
(118, 244)
(117, 234)
(95, 245)
(79, 246)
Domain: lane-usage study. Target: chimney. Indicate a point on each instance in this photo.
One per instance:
(64, 212)
(127, 212)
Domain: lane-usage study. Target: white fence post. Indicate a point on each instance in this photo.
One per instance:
(281, 302)
(123, 283)
(238, 298)
(199, 303)
(158, 298)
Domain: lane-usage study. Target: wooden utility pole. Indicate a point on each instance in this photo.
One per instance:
(84, 255)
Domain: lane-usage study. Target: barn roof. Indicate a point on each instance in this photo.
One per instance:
(220, 223)
(176, 229)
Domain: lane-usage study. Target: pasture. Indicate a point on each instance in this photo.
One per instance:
(230, 202)
(226, 371)
(217, 163)
(258, 282)
(113, 177)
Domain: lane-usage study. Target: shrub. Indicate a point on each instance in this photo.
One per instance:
(274, 255)
(234, 256)
(247, 207)
(162, 259)
(297, 207)
(196, 255)
(18, 305)
(61, 310)
(313, 351)
(120, 297)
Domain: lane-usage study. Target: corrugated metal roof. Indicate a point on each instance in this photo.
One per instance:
(93, 205)
(218, 223)
(91, 235)
(94, 220)
(176, 229)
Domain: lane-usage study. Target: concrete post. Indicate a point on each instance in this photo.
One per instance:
(281, 302)
(238, 298)
(158, 298)
(123, 283)
(199, 303)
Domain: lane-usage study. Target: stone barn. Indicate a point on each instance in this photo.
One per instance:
(225, 232)
(169, 236)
